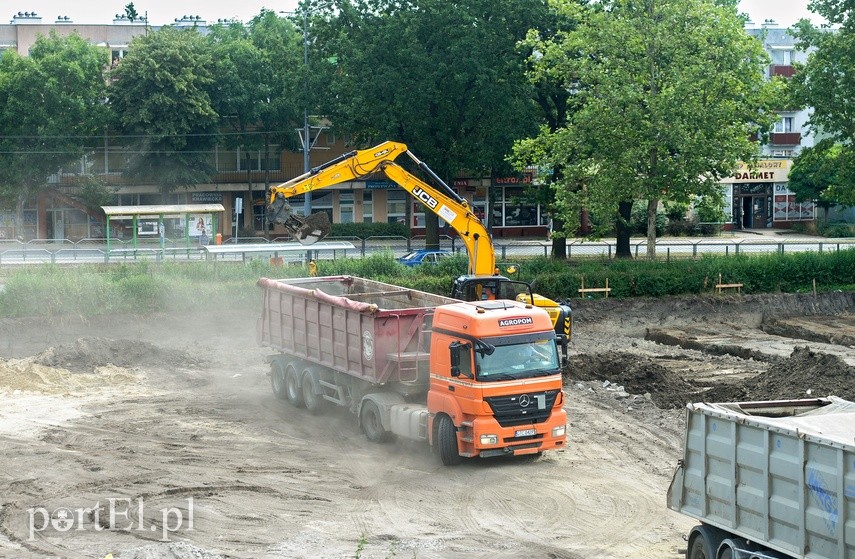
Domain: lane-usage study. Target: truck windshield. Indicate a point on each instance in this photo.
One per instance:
(514, 361)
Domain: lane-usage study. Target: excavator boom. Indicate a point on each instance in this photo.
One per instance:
(440, 199)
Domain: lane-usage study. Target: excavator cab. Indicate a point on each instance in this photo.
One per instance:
(478, 288)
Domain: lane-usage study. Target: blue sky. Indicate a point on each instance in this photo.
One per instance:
(160, 12)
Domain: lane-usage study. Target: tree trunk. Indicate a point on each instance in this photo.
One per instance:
(20, 201)
(623, 231)
(651, 228)
(559, 242)
(247, 207)
(584, 222)
(431, 230)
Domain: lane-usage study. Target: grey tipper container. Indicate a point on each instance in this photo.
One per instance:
(769, 479)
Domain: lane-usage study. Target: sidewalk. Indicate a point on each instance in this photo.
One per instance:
(781, 234)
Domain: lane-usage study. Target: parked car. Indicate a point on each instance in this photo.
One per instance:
(423, 256)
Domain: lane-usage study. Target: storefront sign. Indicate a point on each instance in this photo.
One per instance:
(769, 170)
(206, 197)
(525, 178)
(379, 185)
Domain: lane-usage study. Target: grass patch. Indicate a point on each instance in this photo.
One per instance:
(88, 290)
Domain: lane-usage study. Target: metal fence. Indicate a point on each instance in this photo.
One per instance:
(40, 251)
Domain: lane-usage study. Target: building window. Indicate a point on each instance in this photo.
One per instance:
(345, 206)
(255, 161)
(367, 206)
(784, 125)
(518, 212)
(323, 202)
(784, 57)
(396, 206)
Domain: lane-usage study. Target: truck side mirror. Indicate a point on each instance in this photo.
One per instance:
(457, 350)
(454, 348)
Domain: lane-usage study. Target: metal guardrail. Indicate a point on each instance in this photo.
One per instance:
(41, 251)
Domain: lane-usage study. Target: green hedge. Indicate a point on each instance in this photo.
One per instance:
(144, 287)
(365, 230)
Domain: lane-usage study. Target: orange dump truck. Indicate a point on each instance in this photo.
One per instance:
(471, 379)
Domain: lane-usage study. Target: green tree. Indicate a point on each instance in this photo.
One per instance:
(825, 174)
(443, 77)
(670, 93)
(554, 93)
(161, 97)
(241, 82)
(50, 103)
(826, 82)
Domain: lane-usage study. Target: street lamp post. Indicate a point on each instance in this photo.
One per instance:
(307, 201)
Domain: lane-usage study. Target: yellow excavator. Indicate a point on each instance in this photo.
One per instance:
(481, 280)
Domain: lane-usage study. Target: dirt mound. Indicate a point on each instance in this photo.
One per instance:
(637, 375)
(804, 374)
(27, 376)
(87, 354)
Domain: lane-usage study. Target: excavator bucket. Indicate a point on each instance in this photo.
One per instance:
(311, 229)
(306, 230)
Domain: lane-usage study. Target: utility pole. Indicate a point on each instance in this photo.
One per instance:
(307, 197)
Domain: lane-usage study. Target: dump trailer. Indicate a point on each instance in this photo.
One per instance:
(768, 479)
(471, 379)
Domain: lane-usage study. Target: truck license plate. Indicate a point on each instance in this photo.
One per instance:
(525, 432)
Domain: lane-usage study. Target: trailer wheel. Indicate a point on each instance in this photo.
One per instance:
(698, 548)
(293, 390)
(372, 426)
(277, 379)
(314, 402)
(730, 549)
(446, 437)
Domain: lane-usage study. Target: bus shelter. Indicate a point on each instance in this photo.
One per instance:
(199, 223)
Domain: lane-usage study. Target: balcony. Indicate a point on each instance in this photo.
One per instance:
(785, 138)
(784, 70)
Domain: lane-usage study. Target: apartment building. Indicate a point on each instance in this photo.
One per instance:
(759, 198)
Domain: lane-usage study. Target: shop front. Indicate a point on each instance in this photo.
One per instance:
(758, 197)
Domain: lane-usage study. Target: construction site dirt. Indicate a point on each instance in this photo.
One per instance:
(159, 437)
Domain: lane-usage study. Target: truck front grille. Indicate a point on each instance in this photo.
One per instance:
(519, 409)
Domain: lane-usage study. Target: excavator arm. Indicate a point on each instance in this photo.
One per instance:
(441, 199)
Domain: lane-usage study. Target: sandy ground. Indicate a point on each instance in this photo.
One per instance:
(159, 437)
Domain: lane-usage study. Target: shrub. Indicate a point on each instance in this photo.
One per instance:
(365, 230)
(836, 230)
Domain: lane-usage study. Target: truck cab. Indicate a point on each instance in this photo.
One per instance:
(495, 381)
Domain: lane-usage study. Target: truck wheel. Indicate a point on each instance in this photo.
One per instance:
(698, 548)
(314, 402)
(277, 379)
(293, 390)
(446, 440)
(372, 426)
